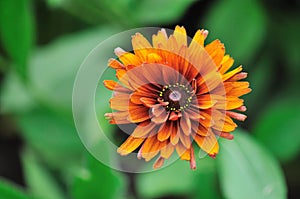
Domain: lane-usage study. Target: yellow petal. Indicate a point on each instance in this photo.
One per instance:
(230, 74)
(216, 50)
(143, 129)
(167, 151)
(115, 64)
(226, 64)
(180, 36)
(160, 40)
(141, 46)
(127, 58)
(130, 145)
(120, 102)
(198, 39)
(209, 144)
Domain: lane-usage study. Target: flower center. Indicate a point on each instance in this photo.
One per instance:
(177, 95)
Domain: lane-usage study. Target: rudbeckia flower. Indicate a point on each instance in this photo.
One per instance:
(179, 94)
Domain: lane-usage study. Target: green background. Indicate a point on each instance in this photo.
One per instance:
(43, 43)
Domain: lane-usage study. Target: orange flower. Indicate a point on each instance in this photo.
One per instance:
(177, 94)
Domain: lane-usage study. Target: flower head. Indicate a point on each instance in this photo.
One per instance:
(176, 93)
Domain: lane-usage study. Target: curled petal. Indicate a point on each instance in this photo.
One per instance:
(158, 163)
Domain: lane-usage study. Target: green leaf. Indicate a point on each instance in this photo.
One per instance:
(40, 181)
(278, 128)
(260, 78)
(288, 48)
(54, 67)
(128, 13)
(11, 191)
(53, 135)
(240, 25)
(17, 31)
(165, 11)
(176, 179)
(97, 181)
(14, 95)
(247, 170)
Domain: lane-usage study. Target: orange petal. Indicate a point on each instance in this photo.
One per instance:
(115, 64)
(130, 145)
(185, 140)
(209, 82)
(233, 103)
(149, 102)
(120, 102)
(237, 116)
(141, 46)
(199, 129)
(241, 108)
(216, 50)
(110, 84)
(174, 138)
(161, 38)
(207, 121)
(157, 110)
(158, 163)
(205, 101)
(183, 152)
(119, 117)
(167, 151)
(209, 144)
(226, 135)
(165, 131)
(225, 124)
(143, 129)
(239, 76)
(172, 44)
(151, 147)
(160, 118)
(185, 124)
(198, 39)
(180, 35)
(192, 159)
(226, 64)
(174, 116)
(138, 113)
(230, 74)
(153, 58)
(127, 58)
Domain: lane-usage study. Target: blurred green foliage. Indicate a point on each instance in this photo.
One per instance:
(38, 70)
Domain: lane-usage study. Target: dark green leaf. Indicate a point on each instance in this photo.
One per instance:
(40, 181)
(278, 128)
(11, 191)
(241, 25)
(97, 181)
(247, 170)
(17, 31)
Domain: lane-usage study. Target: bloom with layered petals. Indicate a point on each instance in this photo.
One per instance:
(177, 93)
